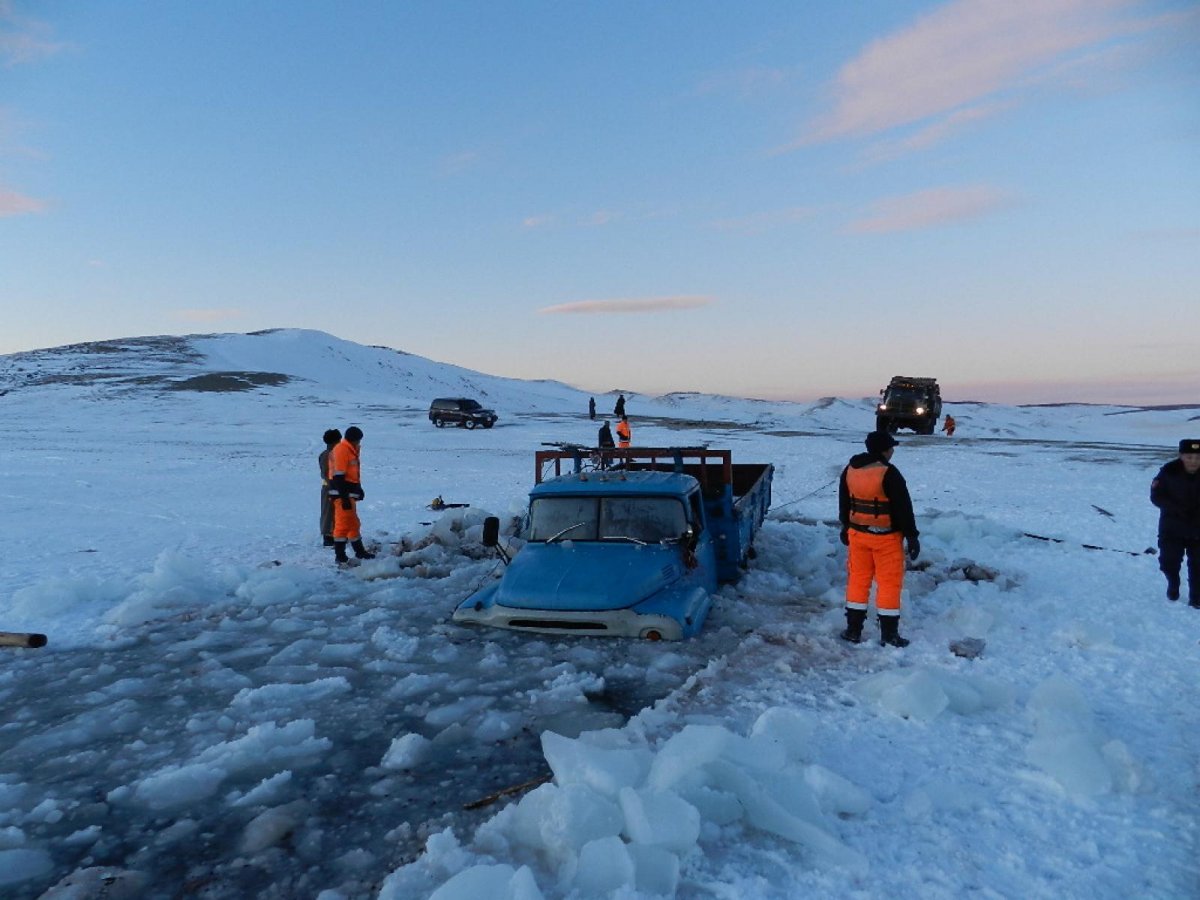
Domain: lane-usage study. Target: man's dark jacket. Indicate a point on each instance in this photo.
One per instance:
(1177, 495)
(894, 486)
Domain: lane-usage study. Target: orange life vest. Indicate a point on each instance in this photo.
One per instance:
(624, 433)
(870, 509)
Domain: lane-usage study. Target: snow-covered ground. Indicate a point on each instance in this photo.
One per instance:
(220, 713)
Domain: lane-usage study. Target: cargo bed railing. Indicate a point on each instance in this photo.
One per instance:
(712, 468)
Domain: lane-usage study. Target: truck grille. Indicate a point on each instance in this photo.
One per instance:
(557, 624)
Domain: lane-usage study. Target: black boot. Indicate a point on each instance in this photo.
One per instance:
(889, 632)
(328, 539)
(360, 551)
(1172, 588)
(339, 552)
(854, 625)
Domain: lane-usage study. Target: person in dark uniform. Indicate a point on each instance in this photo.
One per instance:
(592, 408)
(605, 439)
(332, 438)
(619, 409)
(1175, 490)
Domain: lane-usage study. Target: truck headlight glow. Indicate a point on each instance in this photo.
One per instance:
(920, 410)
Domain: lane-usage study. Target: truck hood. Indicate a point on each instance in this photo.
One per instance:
(582, 576)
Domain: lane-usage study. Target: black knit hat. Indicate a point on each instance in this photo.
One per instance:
(332, 436)
(879, 442)
(354, 434)
(1189, 445)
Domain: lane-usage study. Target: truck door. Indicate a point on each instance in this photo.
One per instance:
(704, 552)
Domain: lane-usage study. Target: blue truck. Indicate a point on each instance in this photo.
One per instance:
(635, 546)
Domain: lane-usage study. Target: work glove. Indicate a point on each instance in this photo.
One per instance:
(914, 548)
(845, 536)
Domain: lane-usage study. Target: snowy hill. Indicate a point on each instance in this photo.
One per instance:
(221, 713)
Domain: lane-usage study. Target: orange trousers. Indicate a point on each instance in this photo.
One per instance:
(878, 558)
(345, 521)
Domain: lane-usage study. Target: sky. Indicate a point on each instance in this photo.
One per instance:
(763, 199)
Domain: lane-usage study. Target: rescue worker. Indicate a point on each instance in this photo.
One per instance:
(948, 425)
(331, 438)
(345, 486)
(619, 409)
(624, 433)
(877, 518)
(1175, 490)
(605, 439)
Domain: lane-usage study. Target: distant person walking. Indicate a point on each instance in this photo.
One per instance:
(619, 408)
(592, 408)
(331, 438)
(1175, 490)
(948, 425)
(624, 433)
(877, 518)
(345, 487)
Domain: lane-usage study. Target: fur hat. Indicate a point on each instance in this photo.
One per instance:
(879, 442)
(331, 437)
(1190, 445)
(354, 434)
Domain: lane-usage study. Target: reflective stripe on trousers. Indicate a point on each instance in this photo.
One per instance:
(879, 558)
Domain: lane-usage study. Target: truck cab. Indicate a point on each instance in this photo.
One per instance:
(909, 402)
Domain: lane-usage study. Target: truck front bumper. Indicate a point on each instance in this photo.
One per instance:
(668, 616)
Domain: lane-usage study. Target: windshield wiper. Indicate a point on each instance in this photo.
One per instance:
(551, 540)
(623, 537)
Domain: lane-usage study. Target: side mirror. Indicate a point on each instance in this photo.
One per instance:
(491, 531)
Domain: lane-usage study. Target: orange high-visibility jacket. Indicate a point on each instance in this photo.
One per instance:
(624, 433)
(870, 508)
(343, 460)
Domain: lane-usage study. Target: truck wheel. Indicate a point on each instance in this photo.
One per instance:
(881, 423)
(470, 423)
(439, 423)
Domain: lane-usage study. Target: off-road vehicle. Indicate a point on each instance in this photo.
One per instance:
(909, 402)
(461, 411)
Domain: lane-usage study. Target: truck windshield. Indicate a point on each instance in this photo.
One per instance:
(649, 519)
(904, 395)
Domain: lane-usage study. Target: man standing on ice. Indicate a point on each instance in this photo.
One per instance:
(877, 518)
(1175, 490)
(331, 438)
(345, 487)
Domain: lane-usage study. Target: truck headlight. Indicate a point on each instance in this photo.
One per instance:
(920, 410)
(882, 407)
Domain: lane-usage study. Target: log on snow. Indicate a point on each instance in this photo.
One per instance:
(21, 639)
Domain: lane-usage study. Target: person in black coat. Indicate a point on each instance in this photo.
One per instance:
(605, 438)
(591, 408)
(1175, 490)
(619, 408)
(332, 438)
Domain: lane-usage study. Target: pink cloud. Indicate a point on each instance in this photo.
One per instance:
(931, 208)
(959, 54)
(14, 204)
(23, 40)
(641, 305)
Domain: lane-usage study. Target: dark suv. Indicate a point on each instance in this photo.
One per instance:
(460, 411)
